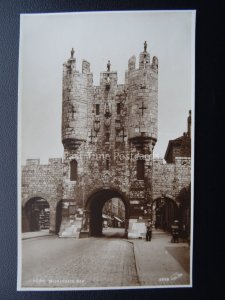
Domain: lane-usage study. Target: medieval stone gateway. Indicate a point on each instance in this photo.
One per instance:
(108, 133)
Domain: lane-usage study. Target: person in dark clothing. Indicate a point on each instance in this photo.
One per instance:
(175, 231)
(149, 231)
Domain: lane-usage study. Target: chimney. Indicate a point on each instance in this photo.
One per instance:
(189, 124)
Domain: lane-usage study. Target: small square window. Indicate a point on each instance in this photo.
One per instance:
(97, 109)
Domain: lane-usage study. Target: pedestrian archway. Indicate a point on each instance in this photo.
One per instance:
(165, 211)
(35, 215)
(94, 206)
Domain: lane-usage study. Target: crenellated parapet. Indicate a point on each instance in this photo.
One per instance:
(42, 179)
(134, 104)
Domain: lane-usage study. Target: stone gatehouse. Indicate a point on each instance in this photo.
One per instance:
(109, 133)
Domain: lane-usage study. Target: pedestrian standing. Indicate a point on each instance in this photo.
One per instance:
(175, 231)
(149, 231)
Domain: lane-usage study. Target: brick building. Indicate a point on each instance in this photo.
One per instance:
(108, 133)
(181, 146)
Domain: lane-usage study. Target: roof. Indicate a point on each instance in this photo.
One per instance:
(178, 141)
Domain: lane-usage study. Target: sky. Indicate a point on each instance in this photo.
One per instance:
(45, 44)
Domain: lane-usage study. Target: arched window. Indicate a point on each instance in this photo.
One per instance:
(140, 169)
(73, 170)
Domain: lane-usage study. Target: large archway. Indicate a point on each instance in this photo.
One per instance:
(165, 211)
(94, 206)
(35, 215)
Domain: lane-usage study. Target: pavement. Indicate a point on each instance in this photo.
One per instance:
(155, 263)
(160, 262)
(52, 262)
(35, 234)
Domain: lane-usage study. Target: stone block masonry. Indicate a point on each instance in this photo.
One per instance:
(103, 127)
(169, 179)
(43, 181)
(108, 133)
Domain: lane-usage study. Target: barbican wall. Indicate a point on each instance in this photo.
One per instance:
(45, 181)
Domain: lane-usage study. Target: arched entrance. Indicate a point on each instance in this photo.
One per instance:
(165, 211)
(35, 215)
(94, 206)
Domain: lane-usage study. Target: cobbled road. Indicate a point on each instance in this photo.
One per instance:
(89, 262)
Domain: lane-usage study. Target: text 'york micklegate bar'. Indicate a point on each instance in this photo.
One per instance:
(109, 133)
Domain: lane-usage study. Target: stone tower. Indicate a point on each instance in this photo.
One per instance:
(108, 133)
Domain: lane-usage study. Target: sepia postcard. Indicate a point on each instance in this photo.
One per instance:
(105, 150)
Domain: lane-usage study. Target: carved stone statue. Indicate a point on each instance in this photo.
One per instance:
(108, 80)
(72, 53)
(108, 66)
(145, 46)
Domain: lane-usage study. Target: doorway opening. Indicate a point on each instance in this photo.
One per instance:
(35, 215)
(165, 211)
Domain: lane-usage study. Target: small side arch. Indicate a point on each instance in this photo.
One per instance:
(165, 211)
(35, 195)
(35, 214)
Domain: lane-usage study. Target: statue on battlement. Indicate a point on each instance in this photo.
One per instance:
(72, 53)
(145, 46)
(108, 66)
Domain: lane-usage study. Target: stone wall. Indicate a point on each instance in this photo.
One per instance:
(44, 181)
(106, 129)
(100, 125)
(169, 179)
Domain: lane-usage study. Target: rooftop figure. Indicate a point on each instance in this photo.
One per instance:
(108, 66)
(72, 53)
(145, 46)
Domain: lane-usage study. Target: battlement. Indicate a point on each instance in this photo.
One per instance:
(32, 162)
(182, 160)
(109, 77)
(178, 161)
(36, 162)
(104, 109)
(55, 161)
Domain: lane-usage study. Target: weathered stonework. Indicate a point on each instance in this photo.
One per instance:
(169, 179)
(109, 131)
(106, 128)
(44, 181)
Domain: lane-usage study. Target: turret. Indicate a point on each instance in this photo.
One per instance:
(75, 103)
(143, 98)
